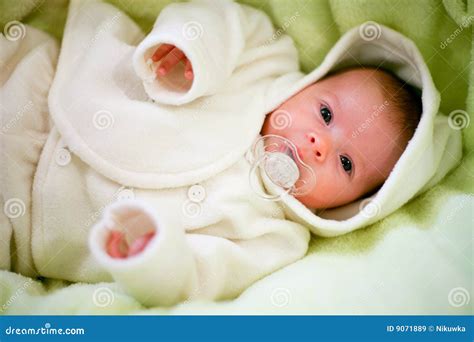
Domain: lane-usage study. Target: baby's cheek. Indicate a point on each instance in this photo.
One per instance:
(328, 191)
(283, 119)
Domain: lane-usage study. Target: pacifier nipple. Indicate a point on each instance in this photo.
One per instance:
(281, 169)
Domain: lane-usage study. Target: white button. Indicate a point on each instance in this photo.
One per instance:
(125, 194)
(63, 157)
(196, 193)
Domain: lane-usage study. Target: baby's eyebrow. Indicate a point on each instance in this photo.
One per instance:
(333, 99)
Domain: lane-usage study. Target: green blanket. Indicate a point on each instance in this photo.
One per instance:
(416, 261)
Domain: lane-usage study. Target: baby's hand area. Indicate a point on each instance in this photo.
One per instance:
(118, 248)
(170, 56)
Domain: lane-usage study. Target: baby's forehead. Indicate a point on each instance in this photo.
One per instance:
(362, 72)
(361, 95)
(359, 82)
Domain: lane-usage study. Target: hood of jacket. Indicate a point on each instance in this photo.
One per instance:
(434, 149)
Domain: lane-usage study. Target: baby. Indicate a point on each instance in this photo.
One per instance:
(325, 119)
(143, 162)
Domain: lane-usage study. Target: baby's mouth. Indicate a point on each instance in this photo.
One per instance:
(295, 154)
(286, 150)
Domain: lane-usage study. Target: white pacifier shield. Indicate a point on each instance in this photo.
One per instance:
(281, 169)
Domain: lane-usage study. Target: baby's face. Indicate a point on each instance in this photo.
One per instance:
(341, 129)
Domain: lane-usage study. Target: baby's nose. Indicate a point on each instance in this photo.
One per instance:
(319, 145)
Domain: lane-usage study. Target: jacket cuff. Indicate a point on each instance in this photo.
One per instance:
(159, 274)
(174, 88)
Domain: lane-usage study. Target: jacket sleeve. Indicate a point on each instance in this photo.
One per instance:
(212, 34)
(27, 63)
(177, 266)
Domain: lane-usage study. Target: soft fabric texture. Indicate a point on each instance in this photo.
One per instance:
(234, 239)
(24, 129)
(388, 247)
(178, 144)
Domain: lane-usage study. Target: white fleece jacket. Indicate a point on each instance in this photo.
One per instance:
(115, 159)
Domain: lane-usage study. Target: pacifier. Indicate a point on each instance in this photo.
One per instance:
(276, 158)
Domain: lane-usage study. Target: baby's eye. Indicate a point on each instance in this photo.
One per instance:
(326, 114)
(346, 163)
